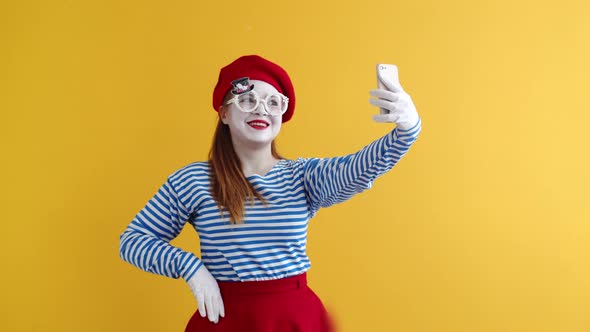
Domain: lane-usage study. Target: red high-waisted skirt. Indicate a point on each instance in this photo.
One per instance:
(282, 305)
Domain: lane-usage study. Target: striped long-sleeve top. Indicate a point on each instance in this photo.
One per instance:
(271, 242)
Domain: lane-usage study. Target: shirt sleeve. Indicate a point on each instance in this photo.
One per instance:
(145, 241)
(328, 181)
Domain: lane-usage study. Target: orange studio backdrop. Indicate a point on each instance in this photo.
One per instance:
(483, 226)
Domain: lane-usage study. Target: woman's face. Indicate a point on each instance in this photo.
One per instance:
(256, 128)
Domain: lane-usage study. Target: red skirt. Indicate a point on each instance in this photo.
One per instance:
(282, 305)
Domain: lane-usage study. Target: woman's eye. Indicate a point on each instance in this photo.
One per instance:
(248, 100)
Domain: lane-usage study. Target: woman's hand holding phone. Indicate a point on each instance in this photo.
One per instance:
(395, 105)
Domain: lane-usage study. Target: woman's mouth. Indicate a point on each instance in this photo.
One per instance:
(258, 124)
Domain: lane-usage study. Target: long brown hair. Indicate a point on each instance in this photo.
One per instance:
(229, 186)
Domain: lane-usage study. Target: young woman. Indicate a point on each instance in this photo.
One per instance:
(251, 207)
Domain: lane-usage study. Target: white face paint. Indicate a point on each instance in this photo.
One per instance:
(257, 128)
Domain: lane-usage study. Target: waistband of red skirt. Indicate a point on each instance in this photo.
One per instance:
(264, 286)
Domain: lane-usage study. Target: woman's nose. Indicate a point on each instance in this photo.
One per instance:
(261, 109)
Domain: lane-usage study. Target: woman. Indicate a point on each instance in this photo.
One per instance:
(251, 207)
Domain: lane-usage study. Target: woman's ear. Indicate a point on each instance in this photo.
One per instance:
(223, 114)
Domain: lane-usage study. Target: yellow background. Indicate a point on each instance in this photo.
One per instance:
(483, 226)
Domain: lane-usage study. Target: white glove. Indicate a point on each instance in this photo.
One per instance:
(396, 105)
(206, 291)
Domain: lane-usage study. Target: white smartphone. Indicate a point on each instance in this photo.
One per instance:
(386, 76)
(387, 73)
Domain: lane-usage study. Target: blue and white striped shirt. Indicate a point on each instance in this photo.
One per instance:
(271, 243)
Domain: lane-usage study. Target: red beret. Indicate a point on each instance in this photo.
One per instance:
(256, 68)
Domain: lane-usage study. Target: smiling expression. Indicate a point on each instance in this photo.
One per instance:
(257, 127)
